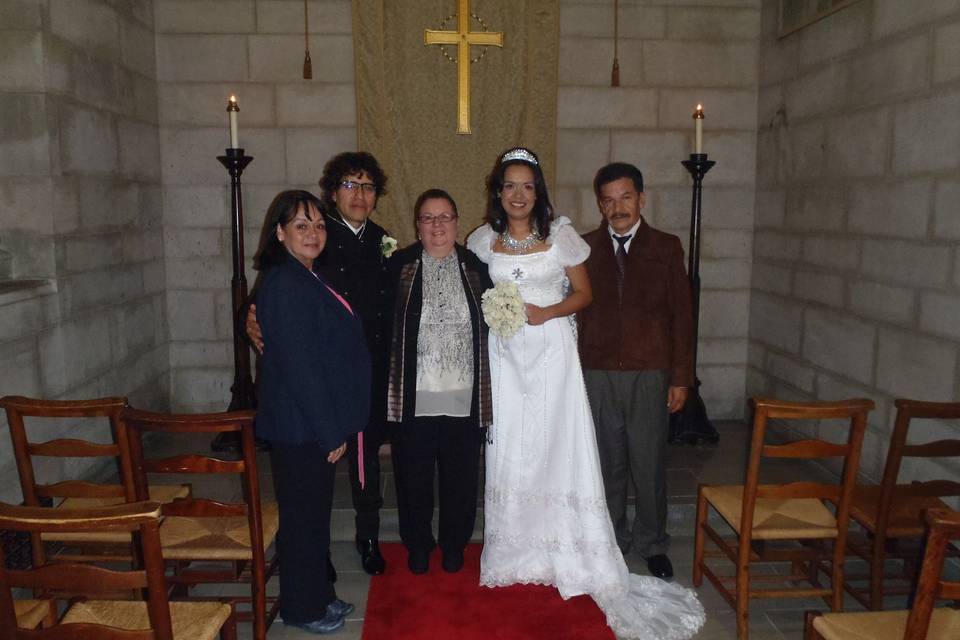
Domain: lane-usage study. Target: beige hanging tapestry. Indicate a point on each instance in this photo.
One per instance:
(443, 86)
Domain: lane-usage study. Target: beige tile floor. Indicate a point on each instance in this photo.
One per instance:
(721, 463)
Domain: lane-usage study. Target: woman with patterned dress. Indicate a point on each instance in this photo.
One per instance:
(546, 519)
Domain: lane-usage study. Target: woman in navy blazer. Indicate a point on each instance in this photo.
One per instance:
(313, 393)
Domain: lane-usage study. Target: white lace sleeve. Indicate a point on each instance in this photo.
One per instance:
(571, 248)
(480, 241)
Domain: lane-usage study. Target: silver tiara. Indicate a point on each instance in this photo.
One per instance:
(518, 154)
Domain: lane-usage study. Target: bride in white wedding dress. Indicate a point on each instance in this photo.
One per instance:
(546, 519)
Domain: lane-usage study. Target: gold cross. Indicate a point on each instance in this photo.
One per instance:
(463, 38)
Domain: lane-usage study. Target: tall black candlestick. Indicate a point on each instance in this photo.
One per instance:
(691, 425)
(242, 396)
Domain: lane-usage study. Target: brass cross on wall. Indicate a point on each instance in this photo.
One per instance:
(463, 38)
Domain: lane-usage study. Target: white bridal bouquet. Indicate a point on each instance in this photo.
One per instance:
(503, 309)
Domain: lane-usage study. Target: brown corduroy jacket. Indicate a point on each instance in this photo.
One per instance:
(653, 326)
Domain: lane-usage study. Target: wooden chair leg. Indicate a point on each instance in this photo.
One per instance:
(698, 539)
(229, 629)
(259, 604)
(875, 599)
(743, 601)
(836, 579)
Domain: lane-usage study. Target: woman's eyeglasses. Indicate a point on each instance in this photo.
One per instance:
(430, 219)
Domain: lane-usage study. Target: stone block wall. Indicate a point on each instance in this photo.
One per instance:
(672, 55)
(856, 278)
(82, 294)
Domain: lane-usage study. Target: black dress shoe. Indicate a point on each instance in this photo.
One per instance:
(418, 561)
(331, 570)
(370, 557)
(452, 561)
(660, 566)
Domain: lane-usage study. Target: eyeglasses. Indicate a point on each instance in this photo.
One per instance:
(430, 219)
(366, 187)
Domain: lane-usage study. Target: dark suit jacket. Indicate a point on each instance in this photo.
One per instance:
(315, 370)
(356, 269)
(653, 327)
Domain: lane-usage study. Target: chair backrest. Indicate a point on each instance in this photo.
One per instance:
(62, 580)
(907, 410)
(141, 423)
(853, 412)
(944, 526)
(18, 408)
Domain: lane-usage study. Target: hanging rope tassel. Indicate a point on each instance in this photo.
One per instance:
(307, 63)
(615, 72)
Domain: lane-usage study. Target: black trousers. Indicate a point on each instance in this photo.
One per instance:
(452, 447)
(368, 500)
(303, 483)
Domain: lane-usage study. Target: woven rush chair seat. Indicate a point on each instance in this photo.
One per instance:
(30, 613)
(184, 538)
(884, 625)
(906, 516)
(774, 519)
(190, 620)
(160, 494)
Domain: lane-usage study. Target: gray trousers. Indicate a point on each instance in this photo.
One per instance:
(631, 418)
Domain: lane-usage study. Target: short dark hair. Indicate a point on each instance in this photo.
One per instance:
(345, 164)
(431, 194)
(283, 209)
(542, 209)
(615, 171)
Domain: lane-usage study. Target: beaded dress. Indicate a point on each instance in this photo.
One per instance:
(546, 519)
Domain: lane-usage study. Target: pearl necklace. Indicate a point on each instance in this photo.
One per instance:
(519, 246)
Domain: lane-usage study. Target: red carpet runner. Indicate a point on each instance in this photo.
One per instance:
(444, 606)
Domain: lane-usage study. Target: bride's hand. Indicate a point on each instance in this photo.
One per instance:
(536, 315)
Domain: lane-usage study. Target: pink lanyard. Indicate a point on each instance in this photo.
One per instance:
(362, 476)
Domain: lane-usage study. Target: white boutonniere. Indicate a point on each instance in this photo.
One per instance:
(388, 244)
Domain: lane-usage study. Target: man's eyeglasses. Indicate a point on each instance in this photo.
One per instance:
(430, 219)
(366, 187)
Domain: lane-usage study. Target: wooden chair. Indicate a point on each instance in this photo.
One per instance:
(923, 621)
(207, 540)
(764, 515)
(75, 493)
(87, 618)
(891, 513)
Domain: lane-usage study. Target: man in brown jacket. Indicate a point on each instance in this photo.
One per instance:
(636, 352)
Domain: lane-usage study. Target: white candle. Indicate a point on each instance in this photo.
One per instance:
(698, 126)
(233, 110)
